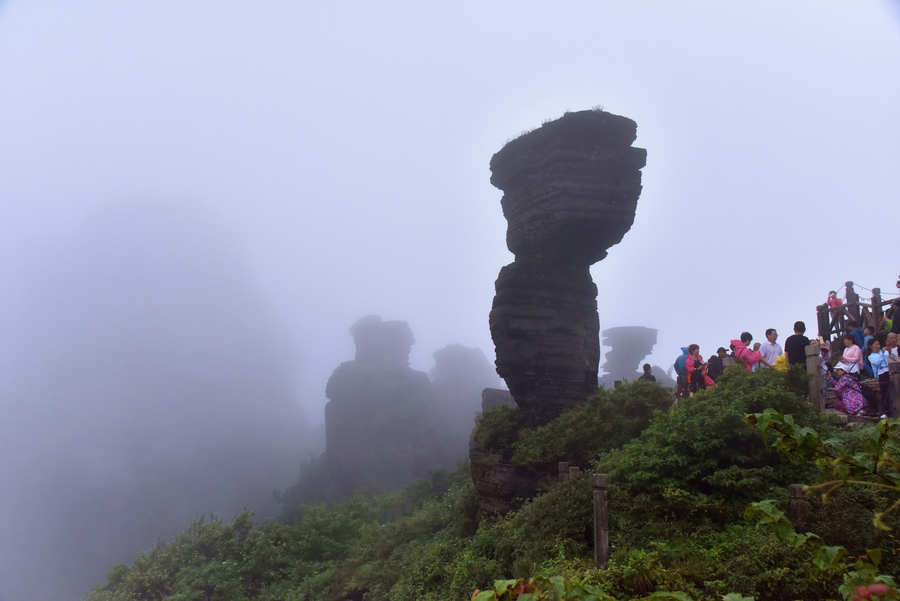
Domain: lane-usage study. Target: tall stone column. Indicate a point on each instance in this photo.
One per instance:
(570, 191)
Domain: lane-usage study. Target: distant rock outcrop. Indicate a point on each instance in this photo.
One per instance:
(630, 344)
(570, 192)
(379, 422)
(459, 378)
(496, 397)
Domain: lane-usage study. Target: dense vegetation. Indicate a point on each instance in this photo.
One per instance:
(687, 514)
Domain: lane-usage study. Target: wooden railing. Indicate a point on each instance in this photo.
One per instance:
(816, 396)
(834, 322)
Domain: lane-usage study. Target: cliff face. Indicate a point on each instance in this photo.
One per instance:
(379, 421)
(570, 192)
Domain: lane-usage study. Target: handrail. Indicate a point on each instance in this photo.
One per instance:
(836, 320)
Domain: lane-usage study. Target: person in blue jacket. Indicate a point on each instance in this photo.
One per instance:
(879, 361)
(859, 337)
(681, 387)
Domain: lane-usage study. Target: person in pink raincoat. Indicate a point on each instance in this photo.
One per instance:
(850, 397)
(748, 357)
(696, 369)
(852, 356)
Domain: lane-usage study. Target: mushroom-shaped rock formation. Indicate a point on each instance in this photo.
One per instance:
(570, 191)
(630, 344)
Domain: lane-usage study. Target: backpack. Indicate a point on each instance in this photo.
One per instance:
(680, 365)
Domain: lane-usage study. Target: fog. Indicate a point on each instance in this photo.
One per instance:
(149, 387)
(199, 198)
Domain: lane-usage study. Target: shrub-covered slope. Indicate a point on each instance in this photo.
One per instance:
(680, 477)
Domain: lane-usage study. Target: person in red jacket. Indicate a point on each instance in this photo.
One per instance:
(698, 379)
(749, 358)
(833, 302)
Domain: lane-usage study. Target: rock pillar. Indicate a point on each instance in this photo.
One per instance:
(570, 192)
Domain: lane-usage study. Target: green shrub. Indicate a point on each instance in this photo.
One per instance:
(700, 463)
(497, 429)
(608, 419)
(680, 480)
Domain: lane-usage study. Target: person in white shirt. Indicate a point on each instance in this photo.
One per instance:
(890, 345)
(770, 349)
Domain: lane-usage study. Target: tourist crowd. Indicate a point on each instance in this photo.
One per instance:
(862, 354)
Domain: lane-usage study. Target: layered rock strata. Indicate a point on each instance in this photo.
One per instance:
(570, 191)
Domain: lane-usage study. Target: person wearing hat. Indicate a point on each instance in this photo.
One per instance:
(850, 397)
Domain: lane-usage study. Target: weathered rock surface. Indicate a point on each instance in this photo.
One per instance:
(570, 192)
(499, 483)
(496, 397)
(546, 331)
(570, 187)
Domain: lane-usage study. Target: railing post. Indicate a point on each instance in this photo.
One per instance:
(877, 312)
(798, 507)
(601, 522)
(824, 318)
(852, 303)
(894, 370)
(563, 467)
(815, 376)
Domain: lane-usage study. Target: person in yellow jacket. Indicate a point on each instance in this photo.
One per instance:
(781, 363)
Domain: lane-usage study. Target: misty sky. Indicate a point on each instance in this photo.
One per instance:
(345, 145)
(343, 148)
